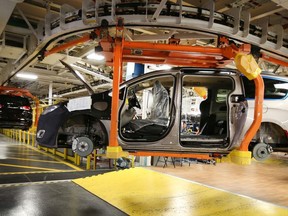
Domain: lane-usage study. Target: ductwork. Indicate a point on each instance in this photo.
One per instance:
(282, 3)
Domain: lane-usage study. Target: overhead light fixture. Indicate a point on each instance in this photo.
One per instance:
(27, 76)
(95, 56)
(56, 96)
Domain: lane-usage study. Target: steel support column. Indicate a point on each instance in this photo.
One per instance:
(50, 96)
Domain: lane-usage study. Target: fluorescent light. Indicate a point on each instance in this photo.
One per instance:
(95, 56)
(27, 76)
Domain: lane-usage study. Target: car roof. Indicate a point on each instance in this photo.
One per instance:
(176, 70)
(273, 75)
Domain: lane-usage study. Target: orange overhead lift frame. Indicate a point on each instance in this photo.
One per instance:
(22, 92)
(273, 60)
(118, 51)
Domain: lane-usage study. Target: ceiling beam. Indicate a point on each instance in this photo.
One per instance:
(34, 11)
(282, 3)
(92, 73)
(6, 10)
(177, 35)
(95, 88)
(262, 15)
(18, 30)
(222, 5)
(265, 10)
(27, 22)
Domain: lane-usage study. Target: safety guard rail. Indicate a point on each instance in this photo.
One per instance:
(29, 138)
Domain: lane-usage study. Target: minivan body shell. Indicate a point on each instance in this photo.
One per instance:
(141, 132)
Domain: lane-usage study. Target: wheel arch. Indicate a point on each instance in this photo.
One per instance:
(270, 133)
(80, 117)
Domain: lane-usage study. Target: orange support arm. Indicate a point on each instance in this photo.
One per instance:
(170, 47)
(117, 73)
(274, 60)
(247, 65)
(57, 49)
(114, 150)
(259, 97)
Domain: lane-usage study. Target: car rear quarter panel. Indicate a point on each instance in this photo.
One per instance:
(274, 111)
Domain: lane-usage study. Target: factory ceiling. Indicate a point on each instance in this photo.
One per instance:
(30, 26)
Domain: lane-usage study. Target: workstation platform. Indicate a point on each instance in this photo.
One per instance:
(135, 191)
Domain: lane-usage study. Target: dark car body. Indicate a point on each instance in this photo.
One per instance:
(15, 112)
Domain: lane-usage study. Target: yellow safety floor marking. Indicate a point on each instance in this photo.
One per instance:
(35, 160)
(27, 167)
(36, 172)
(138, 191)
(55, 158)
(21, 154)
(32, 183)
(18, 150)
(10, 145)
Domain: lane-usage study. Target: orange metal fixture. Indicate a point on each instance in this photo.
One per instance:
(91, 36)
(274, 60)
(117, 73)
(175, 54)
(259, 96)
(172, 154)
(67, 45)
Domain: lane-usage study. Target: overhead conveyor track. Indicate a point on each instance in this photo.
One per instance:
(236, 26)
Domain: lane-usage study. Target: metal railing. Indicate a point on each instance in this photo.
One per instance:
(29, 138)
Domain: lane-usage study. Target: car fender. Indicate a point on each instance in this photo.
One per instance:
(48, 126)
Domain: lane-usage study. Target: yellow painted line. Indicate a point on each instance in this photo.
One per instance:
(22, 149)
(33, 183)
(17, 150)
(11, 145)
(138, 191)
(19, 153)
(27, 159)
(55, 158)
(37, 172)
(27, 167)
